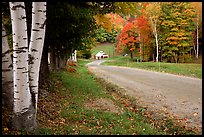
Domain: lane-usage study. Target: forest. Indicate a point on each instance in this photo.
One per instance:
(39, 37)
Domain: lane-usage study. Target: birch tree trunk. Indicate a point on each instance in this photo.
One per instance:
(74, 56)
(26, 63)
(154, 11)
(197, 41)
(7, 72)
(157, 45)
(23, 109)
(36, 48)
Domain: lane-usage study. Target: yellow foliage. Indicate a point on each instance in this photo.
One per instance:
(173, 43)
(104, 21)
(172, 38)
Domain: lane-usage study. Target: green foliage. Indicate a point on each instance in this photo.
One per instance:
(68, 25)
(103, 36)
(86, 54)
(176, 28)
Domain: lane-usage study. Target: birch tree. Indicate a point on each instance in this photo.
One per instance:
(36, 48)
(23, 108)
(153, 12)
(7, 71)
(26, 62)
(198, 9)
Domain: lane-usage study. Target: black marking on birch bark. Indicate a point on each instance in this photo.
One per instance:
(21, 48)
(4, 61)
(37, 23)
(25, 72)
(6, 52)
(18, 6)
(10, 66)
(16, 98)
(18, 79)
(5, 35)
(33, 86)
(23, 17)
(38, 38)
(33, 12)
(39, 11)
(34, 50)
(24, 38)
(20, 68)
(15, 85)
(20, 18)
(19, 51)
(35, 30)
(24, 109)
(31, 79)
(6, 70)
(16, 91)
(16, 44)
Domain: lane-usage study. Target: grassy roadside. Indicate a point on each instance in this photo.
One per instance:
(185, 69)
(64, 111)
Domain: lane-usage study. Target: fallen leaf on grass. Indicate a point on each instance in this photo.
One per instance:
(195, 114)
(5, 129)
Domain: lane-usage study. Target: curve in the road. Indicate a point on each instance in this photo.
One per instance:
(180, 95)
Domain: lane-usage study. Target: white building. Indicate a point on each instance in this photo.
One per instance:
(101, 54)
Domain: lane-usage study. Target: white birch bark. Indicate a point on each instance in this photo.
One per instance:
(153, 17)
(36, 48)
(197, 40)
(75, 56)
(7, 71)
(22, 96)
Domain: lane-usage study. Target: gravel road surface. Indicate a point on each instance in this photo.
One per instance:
(179, 95)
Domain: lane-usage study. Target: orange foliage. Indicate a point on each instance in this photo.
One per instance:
(71, 63)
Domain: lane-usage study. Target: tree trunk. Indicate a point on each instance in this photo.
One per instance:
(62, 61)
(23, 108)
(131, 55)
(197, 41)
(57, 61)
(157, 45)
(7, 72)
(52, 60)
(44, 69)
(140, 49)
(36, 48)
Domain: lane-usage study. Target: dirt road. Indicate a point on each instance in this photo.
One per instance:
(179, 95)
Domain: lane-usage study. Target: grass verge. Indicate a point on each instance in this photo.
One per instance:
(185, 69)
(62, 110)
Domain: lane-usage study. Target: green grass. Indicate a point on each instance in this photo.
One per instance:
(108, 48)
(63, 111)
(185, 69)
